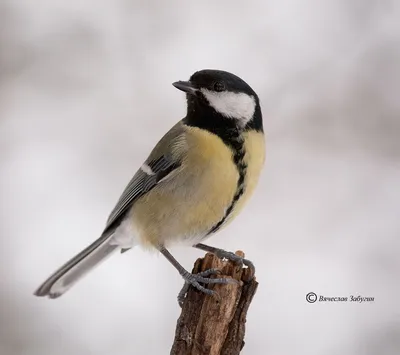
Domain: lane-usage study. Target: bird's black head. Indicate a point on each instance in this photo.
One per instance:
(218, 100)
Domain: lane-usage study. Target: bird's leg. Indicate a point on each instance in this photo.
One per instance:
(227, 255)
(195, 279)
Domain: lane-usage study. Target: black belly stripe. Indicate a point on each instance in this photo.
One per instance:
(237, 143)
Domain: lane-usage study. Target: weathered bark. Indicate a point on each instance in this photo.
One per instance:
(215, 326)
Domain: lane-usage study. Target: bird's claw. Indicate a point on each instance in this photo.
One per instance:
(201, 278)
(222, 254)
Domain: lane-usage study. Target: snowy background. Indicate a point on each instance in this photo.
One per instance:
(85, 93)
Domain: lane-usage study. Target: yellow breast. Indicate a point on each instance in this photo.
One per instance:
(188, 205)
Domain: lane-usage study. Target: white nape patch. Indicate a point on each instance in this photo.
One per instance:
(146, 169)
(238, 106)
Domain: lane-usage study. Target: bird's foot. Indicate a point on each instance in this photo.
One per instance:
(222, 254)
(201, 278)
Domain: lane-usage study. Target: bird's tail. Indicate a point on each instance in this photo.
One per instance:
(66, 276)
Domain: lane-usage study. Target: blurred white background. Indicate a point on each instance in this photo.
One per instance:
(85, 93)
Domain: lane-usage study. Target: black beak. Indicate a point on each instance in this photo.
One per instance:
(185, 86)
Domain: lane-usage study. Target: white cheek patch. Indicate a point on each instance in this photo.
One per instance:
(238, 106)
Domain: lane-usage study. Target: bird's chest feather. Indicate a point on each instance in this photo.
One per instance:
(207, 185)
(225, 177)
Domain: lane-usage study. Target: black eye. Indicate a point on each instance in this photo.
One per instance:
(219, 86)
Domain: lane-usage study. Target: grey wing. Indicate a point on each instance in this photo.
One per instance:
(163, 160)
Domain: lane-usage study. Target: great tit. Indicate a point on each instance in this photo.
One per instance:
(195, 181)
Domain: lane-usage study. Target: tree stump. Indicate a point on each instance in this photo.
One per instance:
(215, 325)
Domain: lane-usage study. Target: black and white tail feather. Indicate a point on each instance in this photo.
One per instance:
(153, 171)
(66, 276)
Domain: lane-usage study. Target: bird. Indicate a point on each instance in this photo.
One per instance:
(194, 183)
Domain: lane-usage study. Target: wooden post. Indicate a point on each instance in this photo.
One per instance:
(215, 326)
